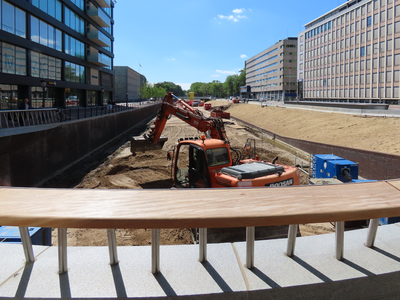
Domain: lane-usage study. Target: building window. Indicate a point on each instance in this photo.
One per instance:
(390, 13)
(13, 59)
(74, 47)
(369, 21)
(74, 21)
(51, 7)
(79, 3)
(362, 51)
(45, 66)
(45, 34)
(13, 20)
(397, 43)
(74, 72)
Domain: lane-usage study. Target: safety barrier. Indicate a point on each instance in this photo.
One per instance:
(18, 118)
(197, 208)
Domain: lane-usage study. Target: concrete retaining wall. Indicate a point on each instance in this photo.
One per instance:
(31, 155)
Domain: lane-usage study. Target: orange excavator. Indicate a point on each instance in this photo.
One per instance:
(208, 162)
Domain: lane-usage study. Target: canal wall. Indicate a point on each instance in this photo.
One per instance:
(29, 156)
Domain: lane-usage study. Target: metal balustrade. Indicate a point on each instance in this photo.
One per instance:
(21, 118)
(155, 209)
(155, 245)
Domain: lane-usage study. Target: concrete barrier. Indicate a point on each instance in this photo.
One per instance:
(30, 156)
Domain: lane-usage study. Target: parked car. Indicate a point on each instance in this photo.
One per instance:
(194, 103)
(235, 99)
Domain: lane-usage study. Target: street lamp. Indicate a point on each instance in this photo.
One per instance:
(102, 96)
(127, 99)
(43, 84)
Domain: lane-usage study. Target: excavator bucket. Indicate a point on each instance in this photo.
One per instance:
(139, 143)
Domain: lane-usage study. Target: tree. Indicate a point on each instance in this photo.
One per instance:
(216, 88)
(205, 89)
(171, 87)
(229, 85)
(195, 88)
(148, 90)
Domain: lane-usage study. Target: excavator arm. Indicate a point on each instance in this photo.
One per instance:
(186, 113)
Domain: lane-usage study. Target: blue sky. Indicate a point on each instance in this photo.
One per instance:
(185, 41)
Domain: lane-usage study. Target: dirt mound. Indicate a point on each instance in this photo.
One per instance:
(360, 132)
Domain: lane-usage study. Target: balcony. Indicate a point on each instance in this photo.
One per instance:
(103, 3)
(98, 37)
(98, 16)
(96, 58)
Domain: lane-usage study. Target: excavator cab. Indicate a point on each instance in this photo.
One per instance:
(191, 168)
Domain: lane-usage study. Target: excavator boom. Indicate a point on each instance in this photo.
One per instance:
(194, 117)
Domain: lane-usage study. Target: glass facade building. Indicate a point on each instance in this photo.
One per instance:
(59, 51)
(352, 53)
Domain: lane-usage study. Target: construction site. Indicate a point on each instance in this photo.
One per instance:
(151, 169)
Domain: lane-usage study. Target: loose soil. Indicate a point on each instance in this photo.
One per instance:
(149, 170)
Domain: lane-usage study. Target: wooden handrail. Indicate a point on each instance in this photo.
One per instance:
(198, 208)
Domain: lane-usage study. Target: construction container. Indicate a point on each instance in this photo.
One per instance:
(207, 106)
(386, 221)
(39, 235)
(343, 170)
(319, 164)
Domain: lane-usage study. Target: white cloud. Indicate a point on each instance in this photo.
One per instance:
(243, 56)
(238, 10)
(226, 72)
(170, 58)
(228, 18)
(235, 18)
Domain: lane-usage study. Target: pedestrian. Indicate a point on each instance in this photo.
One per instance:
(23, 105)
(26, 104)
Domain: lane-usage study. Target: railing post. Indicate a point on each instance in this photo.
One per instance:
(203, 244)
(62, 250)
(291, 240)
(372, 229)
(112, 246)
(27, 244)
(250, 237)
(155, 251)
(339, 240)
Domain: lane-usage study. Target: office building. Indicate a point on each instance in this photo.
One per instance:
(56, 52)
(352, 53)
(271, 74)
(127, 84)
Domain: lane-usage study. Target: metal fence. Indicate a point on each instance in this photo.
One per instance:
(19, 118)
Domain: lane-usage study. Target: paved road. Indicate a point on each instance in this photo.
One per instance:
(393, 111)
